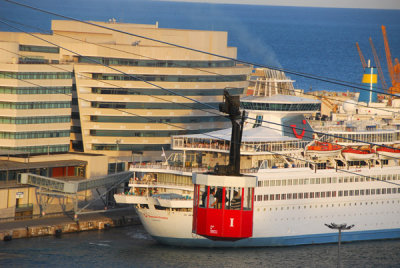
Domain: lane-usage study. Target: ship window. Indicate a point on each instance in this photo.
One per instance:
(289, 182)
(378, 191)
(283, 182)
(278, 182)
(323, 181)
(389, 190)
(351, 192)
(283, 196)
(306, 181)
(265, 197)
(340, 180)
(295, 181)
(312, 181)
(266, 183)
(356, 179)
(301, 181)
(322, 194)
(357, 192)
(367, 192)
(361, 192)
(334, 180)
(393, 190)
(277, 197)
(317, 194)
(345, 180)
(372, 191)
(333, 193)
(271, 197)
(273, 183)
(305, 195)
(289, 196)
(300, 195)
(317, 180)
(294, 195)
(383, 190)
(346, 193)
(328, 194)
(340, 193)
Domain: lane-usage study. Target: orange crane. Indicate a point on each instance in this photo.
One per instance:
(364, 65)
(394, 71)
(378, 65)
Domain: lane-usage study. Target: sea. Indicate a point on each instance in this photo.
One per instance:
(312, 41)
(133, 247)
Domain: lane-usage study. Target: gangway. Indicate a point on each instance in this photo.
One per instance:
(51, 187)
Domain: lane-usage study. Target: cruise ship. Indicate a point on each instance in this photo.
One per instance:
(303, 181)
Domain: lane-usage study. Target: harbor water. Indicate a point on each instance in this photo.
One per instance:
(133, 247)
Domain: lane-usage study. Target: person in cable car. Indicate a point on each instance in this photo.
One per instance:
(212, 199)
(236, 201)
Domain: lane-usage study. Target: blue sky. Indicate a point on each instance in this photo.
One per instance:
(373, 4)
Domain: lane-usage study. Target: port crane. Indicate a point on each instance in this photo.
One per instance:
(394, 69)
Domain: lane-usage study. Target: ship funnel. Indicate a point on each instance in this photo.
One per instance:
(370, 78)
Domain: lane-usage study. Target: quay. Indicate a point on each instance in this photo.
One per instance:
(57, 225)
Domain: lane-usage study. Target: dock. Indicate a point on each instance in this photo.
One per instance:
(59, 225)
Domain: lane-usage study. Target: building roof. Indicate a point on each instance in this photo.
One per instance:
(12, 165)
(259, 134)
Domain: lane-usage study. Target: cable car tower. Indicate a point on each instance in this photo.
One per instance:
(224, 199)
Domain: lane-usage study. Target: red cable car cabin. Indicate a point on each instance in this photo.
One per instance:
(228, 215)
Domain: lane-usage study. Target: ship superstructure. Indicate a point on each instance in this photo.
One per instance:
(296, 193)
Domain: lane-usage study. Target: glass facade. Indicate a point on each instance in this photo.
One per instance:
(63, 148)
(169, 119)
(35, 90)
(35, 134)
(44, 49)
(36, 75)
(130, 147)
(281, 106)
(169, 78)
(161, 92)
(147, 105)
(158, 63)
(35, 105)
(35, 120)
(144, 133)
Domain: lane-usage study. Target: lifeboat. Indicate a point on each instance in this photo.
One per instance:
(388, 153)
(323, 149)
(361, 153)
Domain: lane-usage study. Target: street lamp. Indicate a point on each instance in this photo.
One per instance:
(339, 227)
(117, 141)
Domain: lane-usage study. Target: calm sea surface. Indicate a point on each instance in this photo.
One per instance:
(316, 41)
(310, 40)
(132, 247)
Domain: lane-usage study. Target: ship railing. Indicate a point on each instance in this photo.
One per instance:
(169, 167)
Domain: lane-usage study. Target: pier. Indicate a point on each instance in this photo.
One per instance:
(59, 225)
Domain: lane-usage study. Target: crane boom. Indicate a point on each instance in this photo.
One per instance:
(378, 65)
(364, 65)
(388, 54)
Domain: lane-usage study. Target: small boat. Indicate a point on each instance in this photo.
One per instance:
(388, 153)
(323, 149)
(355, 154)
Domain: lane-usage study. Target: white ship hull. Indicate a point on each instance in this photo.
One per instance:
(297, 221)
